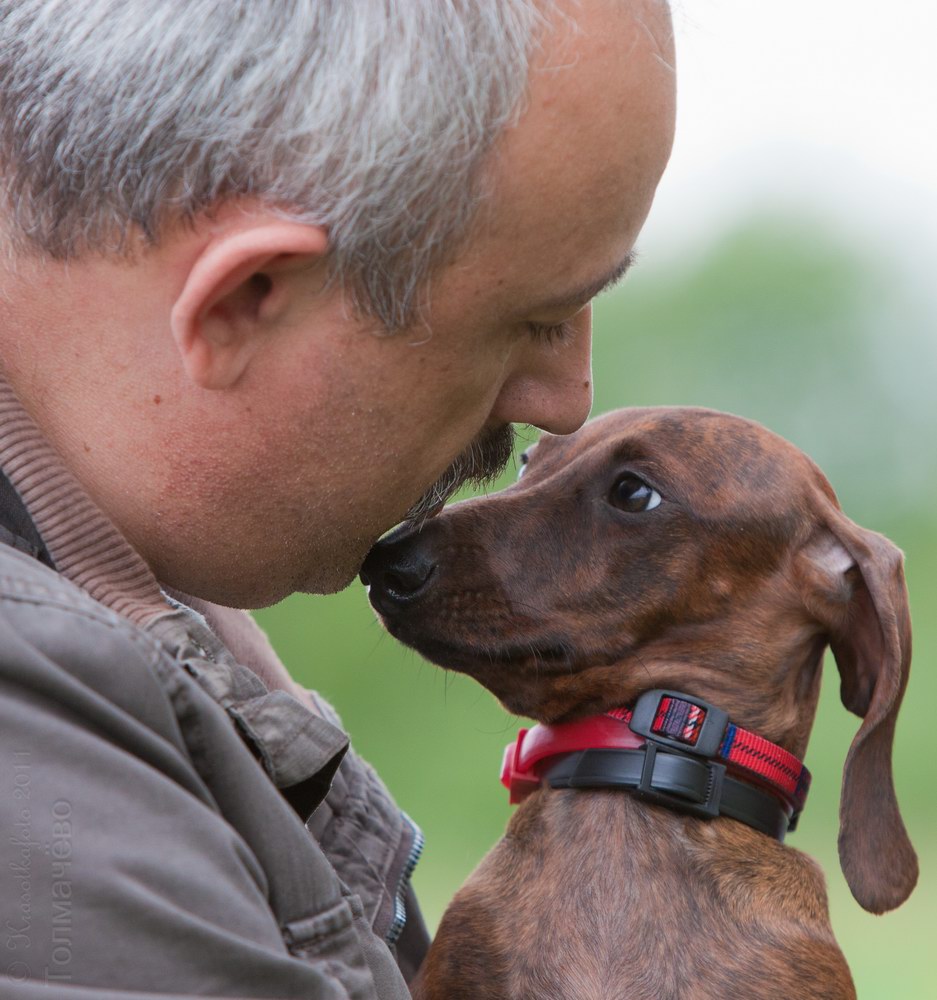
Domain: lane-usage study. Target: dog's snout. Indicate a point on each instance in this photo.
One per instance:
(397, 571)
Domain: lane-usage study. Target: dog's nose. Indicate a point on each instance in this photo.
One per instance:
(397, 571)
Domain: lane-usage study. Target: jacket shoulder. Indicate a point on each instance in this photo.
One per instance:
(48, 625)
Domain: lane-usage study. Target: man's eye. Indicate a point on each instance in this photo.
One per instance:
(634, 495)
(552, 333)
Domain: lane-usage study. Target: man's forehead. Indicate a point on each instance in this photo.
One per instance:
(572, 182)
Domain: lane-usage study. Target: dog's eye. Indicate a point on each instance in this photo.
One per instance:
(634, 495)
(523, 458)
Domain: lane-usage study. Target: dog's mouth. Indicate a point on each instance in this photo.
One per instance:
(546, 677)
(477, 658)
(529, 679)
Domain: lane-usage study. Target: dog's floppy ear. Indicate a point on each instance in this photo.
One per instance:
(856, 589)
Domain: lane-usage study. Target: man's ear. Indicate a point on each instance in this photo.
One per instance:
(234, 290)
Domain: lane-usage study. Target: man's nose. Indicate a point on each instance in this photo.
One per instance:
(551, 386)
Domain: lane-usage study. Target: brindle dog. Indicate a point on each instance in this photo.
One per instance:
(660, 548)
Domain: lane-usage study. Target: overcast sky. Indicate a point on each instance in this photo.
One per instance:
(826, 103)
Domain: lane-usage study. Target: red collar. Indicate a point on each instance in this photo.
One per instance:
(669, 720)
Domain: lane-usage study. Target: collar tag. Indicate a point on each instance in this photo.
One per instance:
(669, 718)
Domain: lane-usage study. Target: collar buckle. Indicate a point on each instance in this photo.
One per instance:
(690, 799)
(519, 780)
(671, 719)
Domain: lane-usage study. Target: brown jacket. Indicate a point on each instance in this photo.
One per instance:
(177, 820)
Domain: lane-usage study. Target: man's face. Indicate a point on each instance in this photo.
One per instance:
(351, 427)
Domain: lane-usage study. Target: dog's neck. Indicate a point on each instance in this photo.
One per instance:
(671, 748)
(769, 687)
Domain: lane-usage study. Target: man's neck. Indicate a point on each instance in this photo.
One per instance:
(82, 542)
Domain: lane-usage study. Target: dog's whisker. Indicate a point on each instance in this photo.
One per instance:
(644, 666)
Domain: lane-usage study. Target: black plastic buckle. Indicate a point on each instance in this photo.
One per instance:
(707, 808)
(711, 733)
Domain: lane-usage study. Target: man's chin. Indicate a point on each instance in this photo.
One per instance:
(331, 580)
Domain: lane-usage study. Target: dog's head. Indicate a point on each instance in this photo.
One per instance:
(674, 548)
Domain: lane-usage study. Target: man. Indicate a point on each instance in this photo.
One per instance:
(277, 274)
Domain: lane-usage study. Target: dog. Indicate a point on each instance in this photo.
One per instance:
(676, 553)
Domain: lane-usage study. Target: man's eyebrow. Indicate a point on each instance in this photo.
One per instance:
(580, 296)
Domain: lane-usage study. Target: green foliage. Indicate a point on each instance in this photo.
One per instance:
(781, 322)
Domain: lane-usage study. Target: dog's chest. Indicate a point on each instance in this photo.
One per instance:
(595, 896)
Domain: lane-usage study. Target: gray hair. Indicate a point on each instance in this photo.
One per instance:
(371, 118)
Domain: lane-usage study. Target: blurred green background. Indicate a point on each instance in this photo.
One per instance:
(780, 319)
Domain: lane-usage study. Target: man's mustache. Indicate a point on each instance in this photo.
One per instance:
(483, 461)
